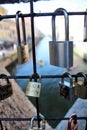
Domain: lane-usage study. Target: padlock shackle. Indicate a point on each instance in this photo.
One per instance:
(24, 32)
(85, 19)
(18, 28)
(35, 76)
(85, 27)
(83, 75)
(58, 11)
(70, 77)
(35, 117)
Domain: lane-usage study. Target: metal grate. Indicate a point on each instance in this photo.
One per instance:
(32, 15)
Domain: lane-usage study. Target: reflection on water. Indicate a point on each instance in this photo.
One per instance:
(51, 105)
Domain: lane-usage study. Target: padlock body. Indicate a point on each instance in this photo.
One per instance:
(80, 90)
(33, 89)
(5, 91)
(23, 54)
(61, 53)
(66, 90)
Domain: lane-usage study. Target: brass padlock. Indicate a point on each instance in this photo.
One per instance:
(5, 88)
(22, 48)
(33, 88)
(61, 52)
(85, 27)
(81, 86)
(66, 89)
(42, 119)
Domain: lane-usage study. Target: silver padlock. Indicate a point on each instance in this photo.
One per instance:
(66, 89)
(42, 119)
(85, 27)
(61, 52)
(22, 48)
(33, 88)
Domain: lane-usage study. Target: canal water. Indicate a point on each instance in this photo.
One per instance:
(51, 104)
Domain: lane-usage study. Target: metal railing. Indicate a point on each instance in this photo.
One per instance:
(47, 119)
(32, 15)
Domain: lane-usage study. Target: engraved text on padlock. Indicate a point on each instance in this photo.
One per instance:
(33, 89)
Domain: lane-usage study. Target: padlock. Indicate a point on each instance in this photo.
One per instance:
(85, 27)
(42, 119)
(61, 52)
(81, 86)
(22, 48)
(5, 88)
(33, 88)
(66, 89)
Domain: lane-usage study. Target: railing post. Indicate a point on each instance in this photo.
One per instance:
(34, 55)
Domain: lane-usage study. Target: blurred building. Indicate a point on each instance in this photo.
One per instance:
(7, 28)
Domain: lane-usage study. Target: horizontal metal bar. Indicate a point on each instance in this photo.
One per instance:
(42, 76)
(48, 119)
(15, 119)
(40, 14)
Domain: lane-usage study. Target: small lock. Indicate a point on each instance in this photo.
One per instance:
(61, 52)
(5, 88)
(42, 124)
(85, 27)
(33, 88)
(22, 48)
(66, 89)
(81, 86)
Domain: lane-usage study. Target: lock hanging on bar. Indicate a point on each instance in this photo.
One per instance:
(33, 88)
(42, 125)
(85, 27)
(22, 48)
(81, 86)
(61, 52)
(5, 88)
(66, 89)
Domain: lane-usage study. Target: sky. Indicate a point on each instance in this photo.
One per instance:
(46, 6)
